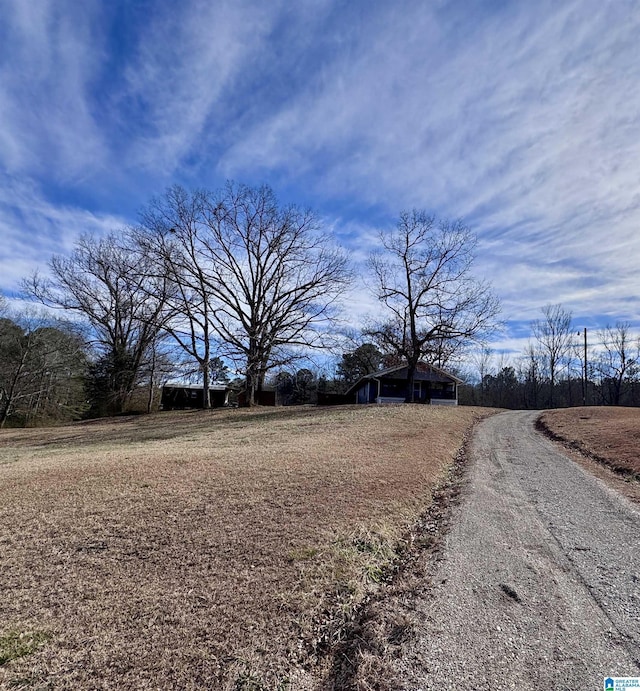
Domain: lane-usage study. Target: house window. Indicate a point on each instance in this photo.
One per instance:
(393, 388)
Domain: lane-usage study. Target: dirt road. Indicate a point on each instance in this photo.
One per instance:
(539, 585)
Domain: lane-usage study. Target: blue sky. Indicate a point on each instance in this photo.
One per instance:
(521, 118)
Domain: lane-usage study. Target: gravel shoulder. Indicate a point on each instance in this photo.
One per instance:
(538, 585)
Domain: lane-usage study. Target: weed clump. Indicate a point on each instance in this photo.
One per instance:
(16, 644)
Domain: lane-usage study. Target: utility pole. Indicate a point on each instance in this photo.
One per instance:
(585, 381)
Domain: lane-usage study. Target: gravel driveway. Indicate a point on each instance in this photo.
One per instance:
(539, 584)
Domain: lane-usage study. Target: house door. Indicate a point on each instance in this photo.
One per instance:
(417, 391)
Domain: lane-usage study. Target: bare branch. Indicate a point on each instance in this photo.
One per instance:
(423, 279)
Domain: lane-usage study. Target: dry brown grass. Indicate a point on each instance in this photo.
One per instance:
(206, 550)
(607, 436)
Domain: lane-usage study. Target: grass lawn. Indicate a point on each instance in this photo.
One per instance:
(205, 550)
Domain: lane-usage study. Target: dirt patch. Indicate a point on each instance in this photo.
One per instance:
(224, 549)
(605, 440)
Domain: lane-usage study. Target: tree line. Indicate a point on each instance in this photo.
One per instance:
(234, 277)
(554, 370)
(209, 285)
(559, 367)
(43, 368)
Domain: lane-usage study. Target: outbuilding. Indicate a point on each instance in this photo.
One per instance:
(179, 396)
(431, 385)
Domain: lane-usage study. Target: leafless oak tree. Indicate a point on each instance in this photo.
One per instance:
(260, 279)
(275, 276)
(423, 279)
(107, 283)
(174, 235)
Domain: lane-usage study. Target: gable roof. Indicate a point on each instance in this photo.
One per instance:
(422, 368)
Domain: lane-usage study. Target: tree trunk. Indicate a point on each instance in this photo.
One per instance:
(411, 376)
(251, 388)
(618, 389)
(4, 414)
(253, 373)
(152, 376)
(206, 376)
(11, 394)
(150, 397)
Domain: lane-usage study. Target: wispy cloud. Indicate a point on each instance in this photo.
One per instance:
(524, 122)
(521, 118)
(32, 230)
(184, 62)
(50, 52)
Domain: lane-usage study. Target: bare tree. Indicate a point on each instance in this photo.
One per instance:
(554, 335)
(60, 373)
(447, 352)
(275, 277)
(42, 368)
(16, 353)
(532, 368)
(174, 235)
(260, 279)
(619, 360)
(109, 283)
(483, 360)
(156, 369)
(423, 278)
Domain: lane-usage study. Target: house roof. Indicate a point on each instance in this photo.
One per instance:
(422, 369)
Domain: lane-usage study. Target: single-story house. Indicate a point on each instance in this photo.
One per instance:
(430, 385)
(180, 395)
